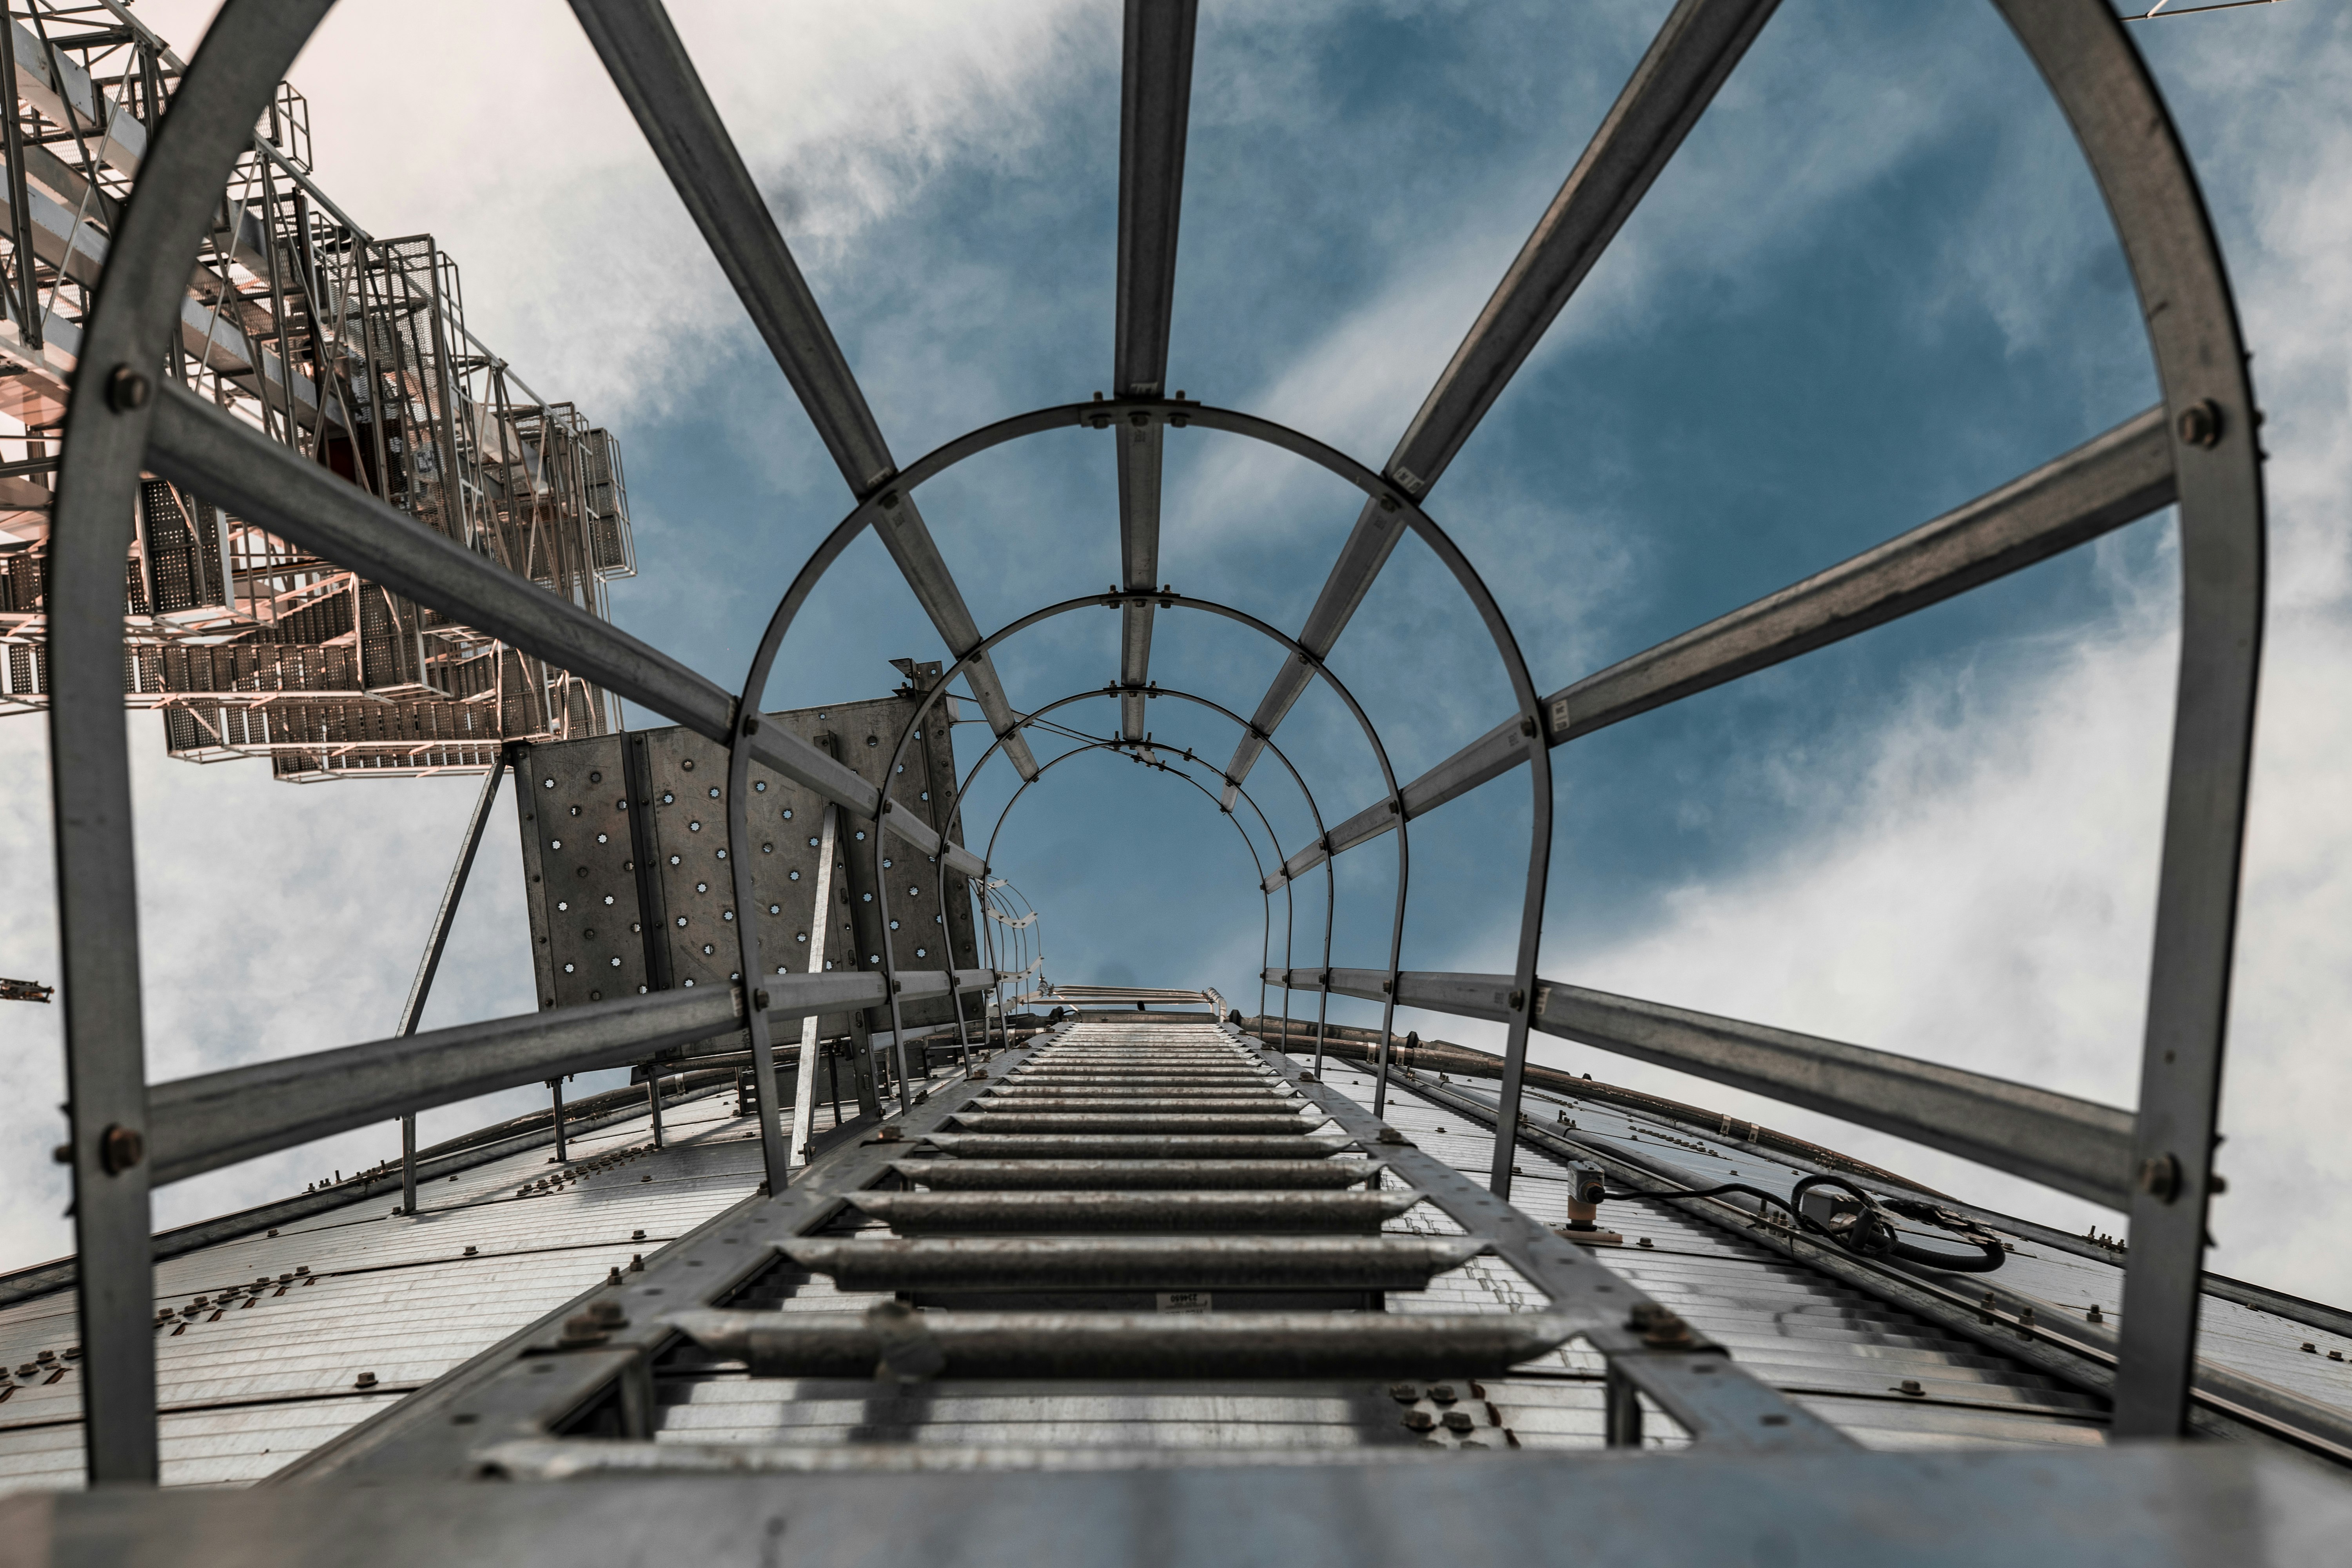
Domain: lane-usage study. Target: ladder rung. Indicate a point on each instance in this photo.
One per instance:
(1128, 1344)
(1136, 1146)
(1148, 1212)
(1028, 1175)
(1156, 1061)
(1137, 1069)
(1126, 1081)
(1134, 1263)
(1276, 1124)
(1195, 1104)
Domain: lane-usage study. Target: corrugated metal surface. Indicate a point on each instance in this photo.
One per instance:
(2062, 1285)
(252, 1384)
(1841, 1354)
(1969, 1396)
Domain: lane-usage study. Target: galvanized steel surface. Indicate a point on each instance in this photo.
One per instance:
(261, 1374)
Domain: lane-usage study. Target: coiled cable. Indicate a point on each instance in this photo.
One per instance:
(1867, 1229)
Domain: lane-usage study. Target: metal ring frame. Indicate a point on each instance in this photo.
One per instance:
(115, 426)
(938, 689)
(1330, 903)
(1330, 898)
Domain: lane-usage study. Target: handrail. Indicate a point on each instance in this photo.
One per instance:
(2075, 1146)
(200, 1124)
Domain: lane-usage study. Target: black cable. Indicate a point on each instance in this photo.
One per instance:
(1867, 1231)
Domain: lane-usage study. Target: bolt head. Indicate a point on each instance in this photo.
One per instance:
(127, 390)
(2159, 1177)
(119, 1148)
(2200, 424)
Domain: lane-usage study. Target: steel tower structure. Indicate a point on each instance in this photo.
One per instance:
(1146, 1284)
(350, 350)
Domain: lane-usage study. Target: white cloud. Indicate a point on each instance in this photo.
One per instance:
(495, 129)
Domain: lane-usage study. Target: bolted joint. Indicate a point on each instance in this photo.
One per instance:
(889, 501)
(751, 724)
(760, 1000)
(582, 1331)
(1659, 1329)
(2159, 1177)
(2200, 424)
(127, 390)
(1527, 727)
(119, 1148)
(1517, 999)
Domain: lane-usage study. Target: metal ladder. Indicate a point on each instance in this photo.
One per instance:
(1134, 1200)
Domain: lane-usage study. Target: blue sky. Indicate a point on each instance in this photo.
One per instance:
(1875, 282)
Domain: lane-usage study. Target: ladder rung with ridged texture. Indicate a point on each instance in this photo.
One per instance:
(1176, 1166)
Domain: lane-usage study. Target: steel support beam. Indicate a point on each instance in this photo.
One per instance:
(821, 927)
(246, 53)
(2075, 1146)
(2117, 115)
(1155, 98)
(435, 941)
(1687, 63)
(648, 64)
(2110, 480)
(268, 484)
(217, 1119)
